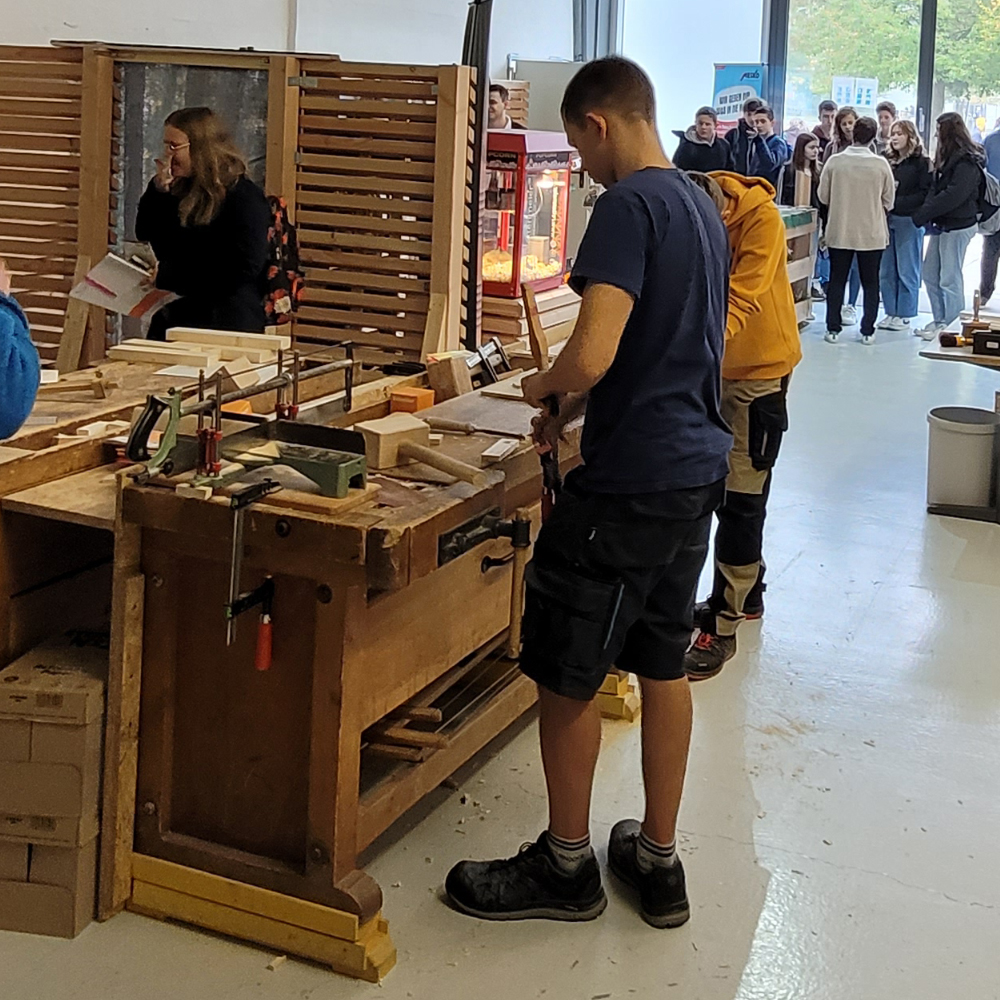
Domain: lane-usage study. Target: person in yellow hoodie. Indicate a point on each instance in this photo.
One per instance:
(762, 349)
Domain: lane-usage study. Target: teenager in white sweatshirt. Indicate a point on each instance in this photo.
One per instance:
(859, 189)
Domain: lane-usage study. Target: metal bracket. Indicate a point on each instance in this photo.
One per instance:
(483, 528)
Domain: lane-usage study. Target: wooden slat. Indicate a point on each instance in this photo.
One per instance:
(41, 53)
(367, 146)
(41, 71)
(375, 185)
(366, 262)
(39, 283)
(363, 223)
(40, 196)
(367, 203)
(10, 84)
(352, 125)
(337, 334)
(38, 300)
(401, 110)
(365, 300)
(407, 89)
(358, 279)
(376, 71)
(367, 165)
(49, 143)
(34, 177)
(282, 127)
(359, 241)
(35, 248)
(38, 213)
(379, 321)
(40, 108)
(37, 124)
(40, 230)
(13, 158)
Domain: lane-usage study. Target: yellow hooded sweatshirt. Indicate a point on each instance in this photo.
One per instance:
(762, 331)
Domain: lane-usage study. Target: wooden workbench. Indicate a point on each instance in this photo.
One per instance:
(389, 670)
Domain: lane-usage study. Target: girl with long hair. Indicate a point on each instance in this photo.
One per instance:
(901, 262)
(208, 225)
(951, 211)
(805, 160)
(843, 132)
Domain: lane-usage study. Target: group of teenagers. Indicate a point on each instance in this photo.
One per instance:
(881, 201)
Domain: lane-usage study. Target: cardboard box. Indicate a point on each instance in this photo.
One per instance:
(57, 896)
(13, 862)
(64, 831)
(15, 739)
(54, 743)
(30, 789)
(61, 681)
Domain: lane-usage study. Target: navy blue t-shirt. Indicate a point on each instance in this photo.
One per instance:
(654, 421)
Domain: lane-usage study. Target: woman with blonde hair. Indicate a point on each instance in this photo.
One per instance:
(208, 225)
(902, 261)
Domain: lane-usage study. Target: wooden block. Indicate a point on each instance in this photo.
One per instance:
(626, 707)
(616, 683)
(155, 356)
(369, 957)
(255, 357)
(410, 400)
(190, 492)
(498, 451)
(49, 376)
(225, 338)
(449, 377)
(383, 438)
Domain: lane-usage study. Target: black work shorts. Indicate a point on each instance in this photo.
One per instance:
(612, 583)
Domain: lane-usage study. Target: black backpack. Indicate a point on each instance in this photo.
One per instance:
(286, 281)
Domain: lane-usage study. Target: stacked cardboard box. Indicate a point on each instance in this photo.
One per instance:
(51, 729)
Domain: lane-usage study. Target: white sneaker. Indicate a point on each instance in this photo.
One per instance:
(932, 331)
(832, 338)
(848, 315)
(888, 323)
(896, 325)
(868, 338)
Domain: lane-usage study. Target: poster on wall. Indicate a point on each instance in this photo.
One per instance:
(859, 92)
(735, 84)
(843, 90)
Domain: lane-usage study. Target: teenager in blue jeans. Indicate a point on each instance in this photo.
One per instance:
(902, 261)
(952, 213)
(19, 365)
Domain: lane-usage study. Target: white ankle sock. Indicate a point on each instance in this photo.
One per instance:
(650, 854)
(569, 855)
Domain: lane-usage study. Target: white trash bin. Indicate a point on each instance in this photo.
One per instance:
(960, 456)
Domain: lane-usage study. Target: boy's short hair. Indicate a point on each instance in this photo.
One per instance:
(711, 187)
(706, 112)
(865, 130)
(887, 106)
(499, 88)
(827, 106)
(613, 84)
(765, 109)
(752, 106)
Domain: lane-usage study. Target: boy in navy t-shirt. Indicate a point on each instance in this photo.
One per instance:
(614, 572)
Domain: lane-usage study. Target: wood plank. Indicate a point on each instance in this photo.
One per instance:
(339, 334)
(39, 196)
(366, 262)
(377, 185)
(225, 338)
(71, 53)
(282, 129)
(249, 898)
(51, 143)
(151, 355)
(41, 108)
(357, 241)
(32, 177)
(367, 165)
(23, 124)
(367, 203)
(349, 958)
(409, 90)
(365, 223)
(357, 279)
(74, 329)
(11, 85)
(375, 127)
(15, 158)
(40, 71)
(86, 498)
(39, 283)
(397, 110)
(367, 300)
(378, 321)
(44, 253)
(365, 70)
(411, 149)
(41, 230)
(38, 213)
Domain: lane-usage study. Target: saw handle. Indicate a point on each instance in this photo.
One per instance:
(137, 447)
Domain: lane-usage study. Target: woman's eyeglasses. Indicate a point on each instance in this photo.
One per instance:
(175, 147)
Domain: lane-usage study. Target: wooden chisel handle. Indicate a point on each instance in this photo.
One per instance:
(440, 424)
(443, 463)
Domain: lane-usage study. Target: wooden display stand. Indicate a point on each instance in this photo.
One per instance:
(372, 159)
(800, 232)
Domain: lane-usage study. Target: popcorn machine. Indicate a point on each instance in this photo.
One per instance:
(528, 176)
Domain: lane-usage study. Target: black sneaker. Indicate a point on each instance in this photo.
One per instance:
(709, 654)
(530, 885)
(662, 892)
